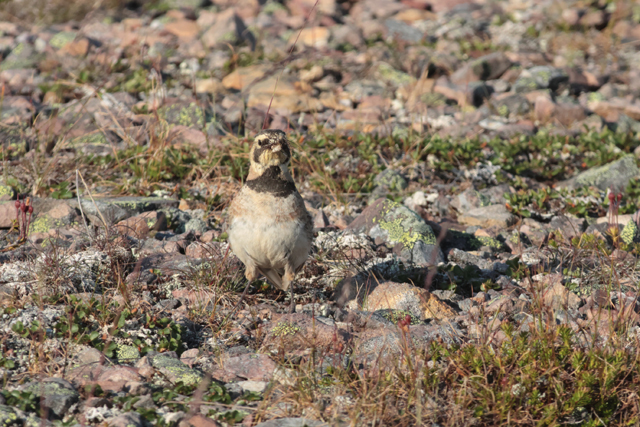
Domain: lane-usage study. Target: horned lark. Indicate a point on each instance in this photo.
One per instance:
(270, 229)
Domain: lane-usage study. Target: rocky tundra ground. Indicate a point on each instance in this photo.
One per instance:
(471, 167)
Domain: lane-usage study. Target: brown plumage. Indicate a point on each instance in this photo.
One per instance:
(270, 230)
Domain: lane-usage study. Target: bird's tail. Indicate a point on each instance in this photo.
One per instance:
(273, 277)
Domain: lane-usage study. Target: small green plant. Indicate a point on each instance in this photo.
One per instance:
(24, 400)
(61, 191)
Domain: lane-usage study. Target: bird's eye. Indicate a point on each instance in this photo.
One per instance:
(262, 143)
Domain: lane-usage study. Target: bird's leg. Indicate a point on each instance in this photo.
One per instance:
(292, 304)
(287, 282)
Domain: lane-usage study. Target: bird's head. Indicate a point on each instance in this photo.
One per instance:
(270, 148)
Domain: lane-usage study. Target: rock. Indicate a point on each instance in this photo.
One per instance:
(544, 108)
(557, 296)
(293, 422)
(9, 416)
(210, 85)
(139, 225)
(346, 35)
(55, 395)
(317, 37)
(596, 18)
(398, 30)
(16, 110)
(285, 97)
(187, 114)
(173, 369)
(241, 78)
(630, 233)
(401, 229)
(402, 296)
(130, 419)
(183, 28)
(252, 367)
(253, 386)
(6, 192)
(22, 56)
(488, 216)
(540, 77)
(227, 27)
(487, 67)
(567, 114)
(78, 47)
(568, 226)
(511, 105)
(196, 225)
(615, 174)
(199, 421)
(472, 94)
(115, 209)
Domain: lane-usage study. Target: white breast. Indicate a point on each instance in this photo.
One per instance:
(269, 230)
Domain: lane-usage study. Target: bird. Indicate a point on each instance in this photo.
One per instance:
(269, 227)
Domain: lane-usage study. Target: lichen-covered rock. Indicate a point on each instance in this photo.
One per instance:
(300, 331)
(60, 215)
(401, 229)
(184, 114)
(540, 77)
(174, 369)
(615, 174)
(22, 56)
(56, 395)
(630, 233)
(6, 192)
(402, 296)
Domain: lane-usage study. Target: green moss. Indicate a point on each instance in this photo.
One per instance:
(285, 328)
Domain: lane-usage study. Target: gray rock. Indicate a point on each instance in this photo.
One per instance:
(402, 31)
(401, 229)
(9, 417)
(174, 369)
(499, 86)
(22, 56)
(487, 67)
(615, 174)
(512, 105)
(391, 179)
(543, 77)
(115, 209)
(487, 216)
(130, 419)
(197, 225)
(56, 395)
